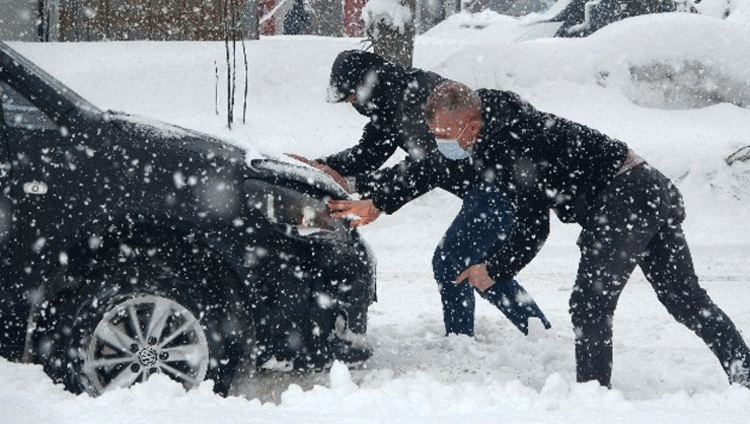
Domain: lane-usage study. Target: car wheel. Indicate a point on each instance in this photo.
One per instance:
(125, 325)
(142, 336)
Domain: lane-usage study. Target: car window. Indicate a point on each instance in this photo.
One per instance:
(19, 112)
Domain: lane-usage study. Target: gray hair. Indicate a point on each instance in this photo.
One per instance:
(451, 96)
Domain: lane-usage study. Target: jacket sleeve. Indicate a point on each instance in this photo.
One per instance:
(522, 245)
(372, 151)
(391, 188)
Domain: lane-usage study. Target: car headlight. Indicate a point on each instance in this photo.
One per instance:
(299, 213)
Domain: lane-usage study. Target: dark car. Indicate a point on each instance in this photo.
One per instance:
(580, 18)
(130, 247)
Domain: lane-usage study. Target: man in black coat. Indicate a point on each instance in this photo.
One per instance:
(393, 98)
(630, 215)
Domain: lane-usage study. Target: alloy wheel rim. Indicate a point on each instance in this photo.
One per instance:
(144, 336)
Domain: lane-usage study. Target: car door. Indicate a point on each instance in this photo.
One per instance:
(38, 168)
(5, 203)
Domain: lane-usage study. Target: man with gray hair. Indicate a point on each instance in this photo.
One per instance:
(630, 214)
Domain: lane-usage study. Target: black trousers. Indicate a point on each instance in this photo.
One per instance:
(637, 221)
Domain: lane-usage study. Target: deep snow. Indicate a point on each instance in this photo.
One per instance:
(662, 372)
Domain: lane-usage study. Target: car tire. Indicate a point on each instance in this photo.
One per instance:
(183, 332)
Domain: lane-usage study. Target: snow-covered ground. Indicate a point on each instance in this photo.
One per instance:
(662, 372)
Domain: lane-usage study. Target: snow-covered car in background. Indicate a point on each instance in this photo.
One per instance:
(129, 248)
(521, 20)
(579, 18)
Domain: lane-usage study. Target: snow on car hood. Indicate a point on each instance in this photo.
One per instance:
(283, 167)
(155, 130)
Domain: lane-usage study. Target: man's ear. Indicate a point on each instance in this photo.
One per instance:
(474, 126)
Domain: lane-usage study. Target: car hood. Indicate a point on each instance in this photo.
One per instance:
(179, 137)
(255, 164)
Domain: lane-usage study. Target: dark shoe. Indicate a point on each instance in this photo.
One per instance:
(348, 353)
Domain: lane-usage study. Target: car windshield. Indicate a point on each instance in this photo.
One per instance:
(59, 87)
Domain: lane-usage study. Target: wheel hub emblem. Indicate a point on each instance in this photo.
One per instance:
(148, 357)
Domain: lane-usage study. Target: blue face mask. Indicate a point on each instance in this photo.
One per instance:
(451, 149)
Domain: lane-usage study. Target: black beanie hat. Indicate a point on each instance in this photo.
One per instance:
(349, 71)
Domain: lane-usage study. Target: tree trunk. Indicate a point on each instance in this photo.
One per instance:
(394, 43)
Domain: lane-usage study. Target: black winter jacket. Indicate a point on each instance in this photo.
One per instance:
(546, 161)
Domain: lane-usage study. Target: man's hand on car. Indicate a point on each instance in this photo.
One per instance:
(360, 212)
(324, 169)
